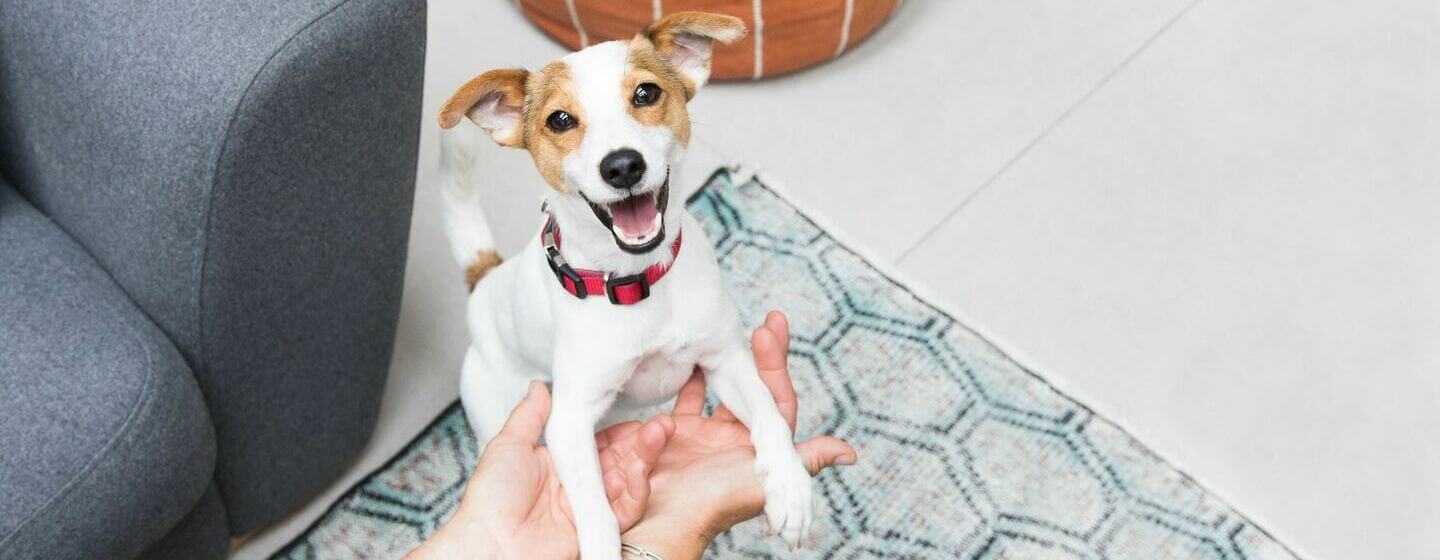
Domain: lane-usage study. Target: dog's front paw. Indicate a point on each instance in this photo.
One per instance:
(787, 497)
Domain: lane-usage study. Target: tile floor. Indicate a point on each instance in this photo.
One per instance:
(1216, 221)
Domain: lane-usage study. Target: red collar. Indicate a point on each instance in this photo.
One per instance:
(623, 290)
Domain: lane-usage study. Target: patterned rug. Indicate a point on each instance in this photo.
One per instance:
(964, 452)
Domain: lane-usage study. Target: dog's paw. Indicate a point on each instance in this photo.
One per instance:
(787, 498)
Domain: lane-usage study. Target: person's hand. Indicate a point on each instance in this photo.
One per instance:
(684, 477)
(514, 506)
(704, 482)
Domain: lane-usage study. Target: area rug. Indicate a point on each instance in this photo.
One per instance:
(964, 452)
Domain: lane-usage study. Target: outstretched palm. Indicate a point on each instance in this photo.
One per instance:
(709, 461)
(522, 510)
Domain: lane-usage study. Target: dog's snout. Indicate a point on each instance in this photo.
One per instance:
(622, 168)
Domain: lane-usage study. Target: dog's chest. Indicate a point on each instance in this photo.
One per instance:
(657, 378)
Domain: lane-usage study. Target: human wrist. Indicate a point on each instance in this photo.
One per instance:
(673, 537)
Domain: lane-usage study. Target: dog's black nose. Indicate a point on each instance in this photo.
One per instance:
(622, 168)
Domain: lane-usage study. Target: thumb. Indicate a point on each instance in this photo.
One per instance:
(771, 364)
(527, 420)
(824, 452)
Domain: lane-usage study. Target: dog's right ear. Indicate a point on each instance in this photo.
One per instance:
(492, 100)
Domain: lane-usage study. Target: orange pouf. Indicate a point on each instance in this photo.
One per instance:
(789, 35)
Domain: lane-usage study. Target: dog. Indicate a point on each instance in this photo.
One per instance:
(619, 296)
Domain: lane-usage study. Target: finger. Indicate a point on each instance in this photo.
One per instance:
(770, 343)
(642, 443)
(607, 437)
(527, 421)
(615, 488)
(653, 437)
(770, 360)
(666, 422)
(824, 452)
(779, 324)
(630, 505)
(627, 483)
(692, 396)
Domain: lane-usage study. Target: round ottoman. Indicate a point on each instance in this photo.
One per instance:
(785, 35)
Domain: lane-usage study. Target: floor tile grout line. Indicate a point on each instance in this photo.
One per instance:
(1072, 109)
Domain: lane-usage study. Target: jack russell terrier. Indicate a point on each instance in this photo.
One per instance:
(619, 296)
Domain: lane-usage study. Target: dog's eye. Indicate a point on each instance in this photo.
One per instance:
(645, 94)
(560, 121)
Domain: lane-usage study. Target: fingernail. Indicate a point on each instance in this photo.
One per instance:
(535, 385)
(846, 460)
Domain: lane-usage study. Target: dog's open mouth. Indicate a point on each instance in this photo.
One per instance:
(637, 222)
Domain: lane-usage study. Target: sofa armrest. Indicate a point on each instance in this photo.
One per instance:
(303, 272)
(244, 171)
(105, 441)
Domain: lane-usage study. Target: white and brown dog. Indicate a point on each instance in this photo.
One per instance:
(624, 309)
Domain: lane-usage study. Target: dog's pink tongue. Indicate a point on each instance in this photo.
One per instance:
(634, 215)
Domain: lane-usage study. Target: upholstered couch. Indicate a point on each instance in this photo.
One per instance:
(203, 218)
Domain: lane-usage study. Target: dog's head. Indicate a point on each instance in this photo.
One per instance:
(606, 123)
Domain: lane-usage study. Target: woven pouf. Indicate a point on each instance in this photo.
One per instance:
(785, 35)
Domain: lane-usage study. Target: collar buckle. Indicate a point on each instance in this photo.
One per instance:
(613, 286)
(566, 274)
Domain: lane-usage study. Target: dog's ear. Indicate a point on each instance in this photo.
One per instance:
(492, 100)
(687, 40)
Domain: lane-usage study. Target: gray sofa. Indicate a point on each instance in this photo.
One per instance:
(203, 218)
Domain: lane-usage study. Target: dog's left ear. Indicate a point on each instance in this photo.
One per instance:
(687, 40)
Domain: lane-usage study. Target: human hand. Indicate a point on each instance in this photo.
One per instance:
(514, 506)
(704, 482)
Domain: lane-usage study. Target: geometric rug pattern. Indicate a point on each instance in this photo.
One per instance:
(964, 452)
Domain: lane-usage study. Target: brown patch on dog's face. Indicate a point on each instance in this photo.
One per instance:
(548, 92)
(648, 66)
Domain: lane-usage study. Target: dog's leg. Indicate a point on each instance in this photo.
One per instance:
(732, 375)
(580, 402)
(489, 390)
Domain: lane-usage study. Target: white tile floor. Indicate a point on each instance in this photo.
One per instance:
(1216, 221)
